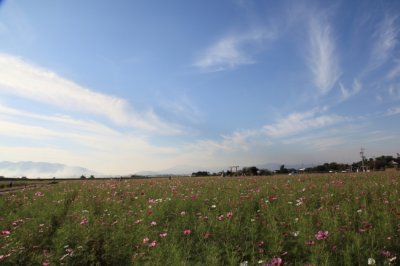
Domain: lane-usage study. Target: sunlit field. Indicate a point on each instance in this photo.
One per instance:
(336, 219)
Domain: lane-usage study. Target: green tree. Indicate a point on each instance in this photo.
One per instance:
(252, 170)
(283, 170)
(265, 172)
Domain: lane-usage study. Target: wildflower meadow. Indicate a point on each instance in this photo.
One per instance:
(325, 219)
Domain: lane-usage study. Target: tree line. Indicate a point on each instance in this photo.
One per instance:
(374, 164)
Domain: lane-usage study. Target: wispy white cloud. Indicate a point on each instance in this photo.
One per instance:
(183, 108)
(232, 51)
(394, 72)
(64, 120)
(393, 111)
(237, 141)
(316, 142)
(346, 93)
(378, 136)
(222, 55)
(23, 79)
(293, 124)
(15, 123)
(76, 142)
(385, 41)
(323, 61)
(239, 147)
(299, 122)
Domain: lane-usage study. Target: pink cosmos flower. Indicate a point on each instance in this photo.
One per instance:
(84, 221)
(17, 222)
(5, 232)
(274, 261)
(221, 217)
(153, 223)
(310, 243)
(164, 234)
(2, 257)
(321, 235)
(272, 198)
(229, 214)
(137, 221)
(153, 244)
(187, 232)
(260, 243)
(145, 240)
(46, 263)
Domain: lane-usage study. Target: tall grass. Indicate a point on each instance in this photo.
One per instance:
(342, 219)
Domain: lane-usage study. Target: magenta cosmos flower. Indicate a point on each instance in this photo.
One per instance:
(5, 232)
(153, 244)
(275, 261)
(187, 232)
(2, 257)
(321, 235)
(310, 243)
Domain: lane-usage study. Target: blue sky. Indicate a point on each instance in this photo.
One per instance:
(126, 86)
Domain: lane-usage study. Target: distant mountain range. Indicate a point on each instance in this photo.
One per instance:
(42, 170)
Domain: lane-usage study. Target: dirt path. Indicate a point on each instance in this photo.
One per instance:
(19, 188)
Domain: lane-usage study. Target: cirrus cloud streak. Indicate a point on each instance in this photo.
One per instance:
(22, 79)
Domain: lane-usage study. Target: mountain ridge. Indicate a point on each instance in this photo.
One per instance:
(32, 169)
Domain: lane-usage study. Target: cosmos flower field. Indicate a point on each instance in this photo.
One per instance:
(335, 219)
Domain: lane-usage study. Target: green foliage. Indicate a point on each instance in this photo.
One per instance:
(250, 170)
(283, 170)
(205, 221)
(201, 173)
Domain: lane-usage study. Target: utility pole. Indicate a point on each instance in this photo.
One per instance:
(362, 160)
(374, 163)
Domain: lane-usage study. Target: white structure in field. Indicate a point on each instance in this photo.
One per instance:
(236, 168)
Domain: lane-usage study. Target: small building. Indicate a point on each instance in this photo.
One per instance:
(393, 165)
